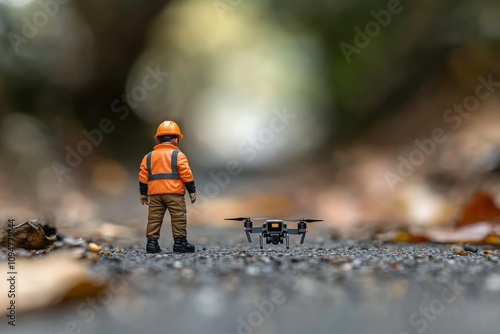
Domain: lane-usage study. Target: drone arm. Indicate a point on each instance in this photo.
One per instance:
(298, 231)
(249, 230)
(256, 230)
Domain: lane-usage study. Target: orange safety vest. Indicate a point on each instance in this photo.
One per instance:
(165, 170)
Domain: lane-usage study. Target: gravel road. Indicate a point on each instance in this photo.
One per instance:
(324, 286)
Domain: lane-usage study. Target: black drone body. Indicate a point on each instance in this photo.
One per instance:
(275, 231)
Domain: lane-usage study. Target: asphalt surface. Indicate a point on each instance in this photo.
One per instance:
(324, 286)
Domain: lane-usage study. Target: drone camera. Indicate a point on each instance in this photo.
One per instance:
(274, 239)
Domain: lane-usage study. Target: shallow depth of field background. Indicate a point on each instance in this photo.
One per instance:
(278, 119)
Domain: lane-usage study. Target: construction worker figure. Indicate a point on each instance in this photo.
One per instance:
(164, 174)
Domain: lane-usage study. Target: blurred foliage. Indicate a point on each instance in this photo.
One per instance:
(228, 70)
(418, 44)
(78, 63)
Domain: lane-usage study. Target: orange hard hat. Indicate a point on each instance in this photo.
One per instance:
(168, 128)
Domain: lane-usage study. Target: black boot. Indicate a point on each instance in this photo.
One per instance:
(182, 246)
(152, 246)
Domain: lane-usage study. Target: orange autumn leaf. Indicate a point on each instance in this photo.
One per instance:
(482, 233)
(407, 237)
(480, 208)
(492, 239)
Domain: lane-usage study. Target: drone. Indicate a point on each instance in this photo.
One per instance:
(274, 231)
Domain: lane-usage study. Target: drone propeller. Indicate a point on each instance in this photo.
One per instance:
(245, 218)
(237, 218)
(303, 220)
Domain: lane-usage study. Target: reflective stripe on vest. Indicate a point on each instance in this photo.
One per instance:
(163, 176)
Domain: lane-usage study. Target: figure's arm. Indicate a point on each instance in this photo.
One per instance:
(190, 187)
(143, 182)
(143, 188)
(185, 172)
(186, 176)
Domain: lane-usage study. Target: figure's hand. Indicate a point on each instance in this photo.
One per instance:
(193, 197)
(144, 199)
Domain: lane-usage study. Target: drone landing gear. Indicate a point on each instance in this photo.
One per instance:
(287, 241)
(261, 239)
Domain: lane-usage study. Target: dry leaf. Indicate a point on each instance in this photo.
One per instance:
(492, 239)
(28, 235)
(480, 208)
(479, 233)
(49, 281)
(474, 233)
(479, 224)
(403, 236)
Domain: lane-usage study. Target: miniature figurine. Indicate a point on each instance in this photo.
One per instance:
(164, 175)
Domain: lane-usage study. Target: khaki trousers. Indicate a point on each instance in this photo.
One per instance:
(176, 206)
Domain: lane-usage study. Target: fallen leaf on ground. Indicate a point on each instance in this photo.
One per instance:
(402, 236)
(49, 281)
(479, 224)
(474, 233)
(480, 208)
(405, 236)
(479, 233)
(28, 235)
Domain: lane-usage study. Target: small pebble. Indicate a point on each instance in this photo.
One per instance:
(470, 248)
(94, 248)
